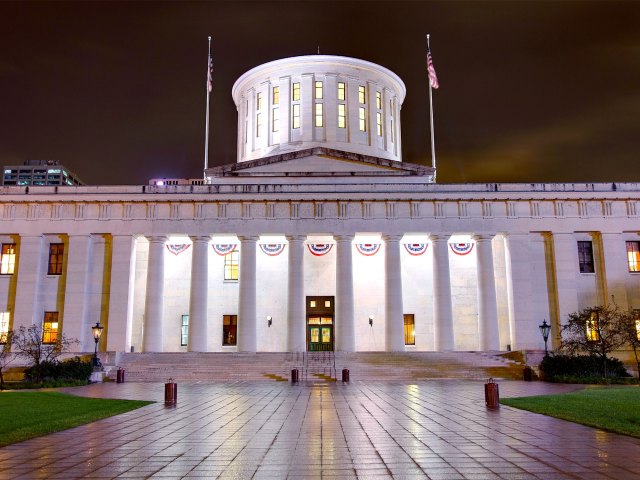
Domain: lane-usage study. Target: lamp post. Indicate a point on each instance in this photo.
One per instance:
(545, 328)
(371, 320)
(97, 333)
(269, 320)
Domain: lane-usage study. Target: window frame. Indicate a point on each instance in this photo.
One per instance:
(362, 95)
(275, 122)
(259, 101)
(275, 96)
(342, 94)
(379, 123)
(5, 320)
(50, 334)
(56, 259)
(362, 119)
(318, 115)
(259, 125)
(295, 91)
(409, 329)
(591, 328)
(184, 330)
(342, 115)
(633, 256)
(8, 259)
(586, 262)
(232, 266)
(318, 88)
(227, 328)
(378, 100)
(295, 116)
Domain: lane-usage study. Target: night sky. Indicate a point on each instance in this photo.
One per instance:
(529, 91)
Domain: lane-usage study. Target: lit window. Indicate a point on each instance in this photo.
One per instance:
(318, 115)
(591, 329)
(363, 120)
(585, 257)
(638, 329)
(312, 303)
(327, 304)
(258, 124)
(8, 258)
(276, 119)
(275, 99)
(258, 101)
(184, 330)
(342, 116)
(50, 327)
(296, 116)
(409, 329)
(56, 254)
(231, 266)
(378, 100)
(229, 329)
(296, 92)
(341, 92)
(4, 326)
(379, 123)
(319, 90)
(633, 256)
(361, 94)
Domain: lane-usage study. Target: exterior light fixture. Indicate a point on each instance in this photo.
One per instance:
(371, 320)
(545, 328)
(97, 333)
(269, 320)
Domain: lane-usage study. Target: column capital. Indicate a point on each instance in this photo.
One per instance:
(391, 237)
(439, 237)
(248, 238)
(483, 237)
(157, 238)
(200, 238)
(344, 238)
(296, 238)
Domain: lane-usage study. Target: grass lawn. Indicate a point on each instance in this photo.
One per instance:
(25, 415)
(615, 409)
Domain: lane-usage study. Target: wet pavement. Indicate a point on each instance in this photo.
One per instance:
(434, 429)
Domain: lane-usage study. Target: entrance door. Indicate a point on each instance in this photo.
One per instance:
(320, 332)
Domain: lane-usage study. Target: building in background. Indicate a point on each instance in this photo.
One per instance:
(319, 238)
(40, 173)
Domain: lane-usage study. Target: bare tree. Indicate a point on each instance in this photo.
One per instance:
(6, 356)
(597, 331)
(631, 333)
(29, 343)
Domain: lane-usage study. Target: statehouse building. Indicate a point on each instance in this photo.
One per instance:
(318, 238)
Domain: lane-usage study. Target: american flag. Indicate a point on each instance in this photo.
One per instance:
(433, 79)
(210, 75)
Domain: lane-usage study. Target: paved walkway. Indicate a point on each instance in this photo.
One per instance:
(435, 429)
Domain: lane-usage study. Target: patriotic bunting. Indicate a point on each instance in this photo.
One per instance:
(461, 248)
(272, 249)
(319, 249)
(177, 248)
(416, 249)
(224, 249)
(368, 249)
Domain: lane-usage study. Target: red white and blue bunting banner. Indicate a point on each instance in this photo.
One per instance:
(319, 249)
(177, 248)
(461, 248)
(272, 249)
(224, 249)
(368, 249)
(416, 249)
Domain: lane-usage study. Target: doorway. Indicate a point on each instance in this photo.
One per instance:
(320, 324)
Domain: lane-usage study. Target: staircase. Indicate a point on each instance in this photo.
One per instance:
(326, 366)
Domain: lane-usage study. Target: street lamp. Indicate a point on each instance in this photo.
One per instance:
(545, 328)
(97, 333)
(371, 320)
(269, 320)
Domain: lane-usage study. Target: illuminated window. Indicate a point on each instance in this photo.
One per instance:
(50, 327)
(319, 90)
(275, 98)
(258, 124)
(296, 116)
(361, 94)
(585, 257)
(409, 329)
(229, 329)
(318, 116)
(4, 326)
(8, 258)
(363, 120)
(327, 303)
(633, 256)
(342, 115)
(56, 254)
(379, 123)
(296, 92)
(258, 101)
(638, 329)
(276, 119)
(341, 92)
(312, 303)
(231, 261)
(591, 329)
(378, 100)
(184, 330)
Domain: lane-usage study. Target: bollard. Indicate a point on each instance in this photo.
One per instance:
(294, 375)
(120, 375)
(170, 392)
(345, 375)
(491, 394)
(527, 374)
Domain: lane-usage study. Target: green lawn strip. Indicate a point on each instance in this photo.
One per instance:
(25, 415)
(613, 409)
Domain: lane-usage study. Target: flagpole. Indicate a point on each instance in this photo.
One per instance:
(206, 137)
(433, 144)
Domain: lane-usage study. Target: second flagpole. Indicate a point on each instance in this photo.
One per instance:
(433, 144)
(206, 135)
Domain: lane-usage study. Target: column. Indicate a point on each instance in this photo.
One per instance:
(31, 261)
(345, 328)
(123, 255)
(487, 305)
(565, 258)
(198, 297)
(247, 296)
(615, 271)
(394, 312)
(153, 306)
(442, 308)
(296, 339)
(77, 292)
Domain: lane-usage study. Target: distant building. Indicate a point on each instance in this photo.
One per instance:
(39, 172)
(160, 182)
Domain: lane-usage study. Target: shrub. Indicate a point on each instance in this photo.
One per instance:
(554, 367)
(73, 369)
